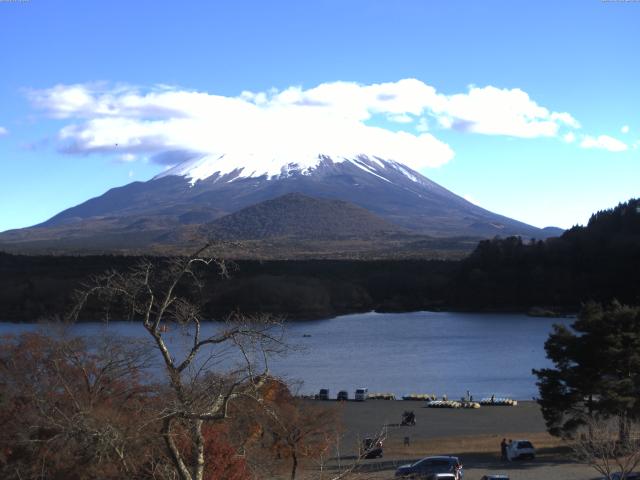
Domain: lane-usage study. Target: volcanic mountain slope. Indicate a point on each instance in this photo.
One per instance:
(299, 216)
(199, 191)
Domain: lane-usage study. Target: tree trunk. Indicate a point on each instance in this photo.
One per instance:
(294, 465)
(198, 441)
(174, 453)
(624, 428)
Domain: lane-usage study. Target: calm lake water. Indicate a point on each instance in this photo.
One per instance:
(420, 352)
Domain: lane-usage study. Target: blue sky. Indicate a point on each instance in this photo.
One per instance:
(480, 69)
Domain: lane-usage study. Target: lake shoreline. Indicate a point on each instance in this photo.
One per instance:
(561, 314)
(42, 287)
(439, 353)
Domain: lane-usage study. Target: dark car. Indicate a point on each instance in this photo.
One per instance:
(628, 476)
(324, 394)
(430, 465)
(371, 448)
(441, 476)
(343, 395)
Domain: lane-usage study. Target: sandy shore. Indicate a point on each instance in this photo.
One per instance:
(474, 435)
(367, 418)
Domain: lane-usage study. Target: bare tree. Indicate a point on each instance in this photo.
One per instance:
(356, 469)
(211, 370)
(298, 429)
(68, 407)
(599, 444)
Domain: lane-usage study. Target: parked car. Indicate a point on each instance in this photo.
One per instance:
(520, 449)
(628, 476)
(441, 476)
(361, 394)
(371, 448)
(432, 465)
(343, 395)
(495, 476)
(323, 394)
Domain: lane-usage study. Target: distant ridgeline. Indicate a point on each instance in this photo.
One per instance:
(597, 262)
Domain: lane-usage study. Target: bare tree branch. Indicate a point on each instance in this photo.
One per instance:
(160, 295)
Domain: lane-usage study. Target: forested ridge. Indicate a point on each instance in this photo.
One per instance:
(599, 262)
(37, 287)
(596, 262)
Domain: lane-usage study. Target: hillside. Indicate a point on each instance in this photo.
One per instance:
(596, 262)
(303, 217)
(168, 214)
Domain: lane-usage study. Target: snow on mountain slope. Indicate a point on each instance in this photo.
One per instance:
(248, 165)
(205, 188)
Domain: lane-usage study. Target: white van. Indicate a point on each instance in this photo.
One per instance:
(361, 394)
(520, 449)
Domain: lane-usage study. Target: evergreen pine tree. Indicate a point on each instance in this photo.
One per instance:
(596, 369)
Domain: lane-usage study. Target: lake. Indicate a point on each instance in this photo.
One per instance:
(420, 352)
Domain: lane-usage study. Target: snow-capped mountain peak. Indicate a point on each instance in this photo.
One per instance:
(231, 167)
(207, 187)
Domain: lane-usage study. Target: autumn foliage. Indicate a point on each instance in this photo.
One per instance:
(290, 431)
(73, 410)
(224, 460)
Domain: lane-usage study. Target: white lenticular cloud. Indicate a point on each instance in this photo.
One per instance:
(494, 111)
(389, 120)
(604, 142)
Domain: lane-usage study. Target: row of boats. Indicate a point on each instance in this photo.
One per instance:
(505, 402)
(433, 401)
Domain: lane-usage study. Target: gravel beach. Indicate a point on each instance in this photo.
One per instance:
(474, 435)
(366, 418)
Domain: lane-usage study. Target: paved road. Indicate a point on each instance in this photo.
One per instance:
(546, 467)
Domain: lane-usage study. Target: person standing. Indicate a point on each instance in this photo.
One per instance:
(503, 449)
(457, 469)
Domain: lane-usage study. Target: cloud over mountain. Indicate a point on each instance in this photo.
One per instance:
(604, 142)
(390, 120)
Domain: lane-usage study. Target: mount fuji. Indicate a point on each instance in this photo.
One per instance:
(185, 203)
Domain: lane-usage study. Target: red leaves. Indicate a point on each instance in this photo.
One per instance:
(70, 411)
(223, 462)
